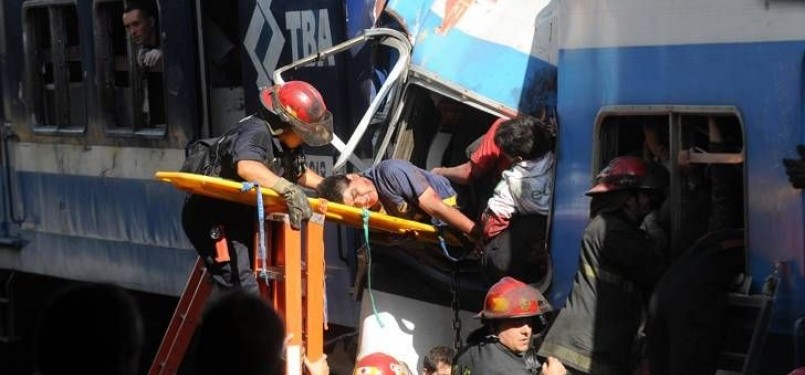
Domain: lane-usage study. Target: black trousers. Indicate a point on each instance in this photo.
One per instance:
(200, 215)
(519, 251)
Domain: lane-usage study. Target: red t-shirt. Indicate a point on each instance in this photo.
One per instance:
(487, 158)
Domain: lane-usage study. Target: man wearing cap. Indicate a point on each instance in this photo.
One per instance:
(618, 266)
(263, 148)
(512, 315)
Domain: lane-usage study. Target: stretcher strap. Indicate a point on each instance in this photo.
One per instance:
(365, 216)
(260, 224)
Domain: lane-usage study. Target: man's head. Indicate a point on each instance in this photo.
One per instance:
(438, 361)
(380, 364)
(296, 113)
(90, 329)
(512, 310)
(630, 184)
(522, 138)
(239, 333)
(655, 141)
(351, 189)
(140, 23)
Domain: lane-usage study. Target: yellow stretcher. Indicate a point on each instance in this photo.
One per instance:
(298, 294)
(231, 191)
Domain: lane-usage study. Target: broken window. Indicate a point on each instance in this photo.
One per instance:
(131, 92)
(55, 75)
(701, 150)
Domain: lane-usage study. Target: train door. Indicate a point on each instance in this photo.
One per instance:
(699, 149)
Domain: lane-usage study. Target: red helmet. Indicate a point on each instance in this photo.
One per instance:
(300, 105)
(380, 364)
(799, 371)
(511, 298)
(628, 172)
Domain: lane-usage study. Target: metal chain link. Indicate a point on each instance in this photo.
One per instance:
(455, 304)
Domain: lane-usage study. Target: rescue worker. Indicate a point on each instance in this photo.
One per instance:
(512, 314)
(262, 148)
(619, 264)
(380, 364)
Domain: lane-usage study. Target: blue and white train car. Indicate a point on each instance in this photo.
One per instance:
(626, 63)
(81, 141)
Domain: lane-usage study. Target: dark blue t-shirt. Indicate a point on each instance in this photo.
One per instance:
(252, 140)
(399, 185)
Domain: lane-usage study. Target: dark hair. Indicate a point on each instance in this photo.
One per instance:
(524, 137)
(90, 329)
(142, 6)
(332, 188)
(438, 354)
(240, 333)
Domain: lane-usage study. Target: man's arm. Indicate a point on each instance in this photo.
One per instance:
(309, 179)
(296, 200)
(432, 204)
(255, 171)
(459, 174)
(499, 210)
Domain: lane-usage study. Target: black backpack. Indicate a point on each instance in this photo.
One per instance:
(202, 156)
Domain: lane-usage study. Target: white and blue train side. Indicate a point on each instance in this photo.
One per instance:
(622, 62)
(80, 201)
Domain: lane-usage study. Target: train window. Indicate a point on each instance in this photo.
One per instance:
(55, 74)
(699, 149)
(222, 68)
(129, 68)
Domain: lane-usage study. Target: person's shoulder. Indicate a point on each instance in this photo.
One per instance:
(250, 125)
(394, 166)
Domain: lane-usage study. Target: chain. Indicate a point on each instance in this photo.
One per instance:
(456, 306)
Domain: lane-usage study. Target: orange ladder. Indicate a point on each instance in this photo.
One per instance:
(296, 292)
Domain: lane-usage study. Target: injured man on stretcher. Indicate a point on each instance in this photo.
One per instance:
(398, 188)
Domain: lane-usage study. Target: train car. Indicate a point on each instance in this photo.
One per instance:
(622, 73)
(83, 132)
(85, 127)
(627, 64)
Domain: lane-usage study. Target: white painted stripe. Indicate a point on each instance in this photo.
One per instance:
(98, 161)
(512, 23)
(622, 23)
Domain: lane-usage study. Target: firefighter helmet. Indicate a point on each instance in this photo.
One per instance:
(511, 298)
(380, 364)
(628, 172)
(798, 371)
(299, 105)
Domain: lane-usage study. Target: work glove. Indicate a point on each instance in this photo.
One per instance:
(151, 57)
(795, 168)
(298, 206)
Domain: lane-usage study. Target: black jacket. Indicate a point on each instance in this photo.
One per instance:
(490, 357)
(618, 266)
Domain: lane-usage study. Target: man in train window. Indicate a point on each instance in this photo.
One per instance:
(141, 26)
(262, 148)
